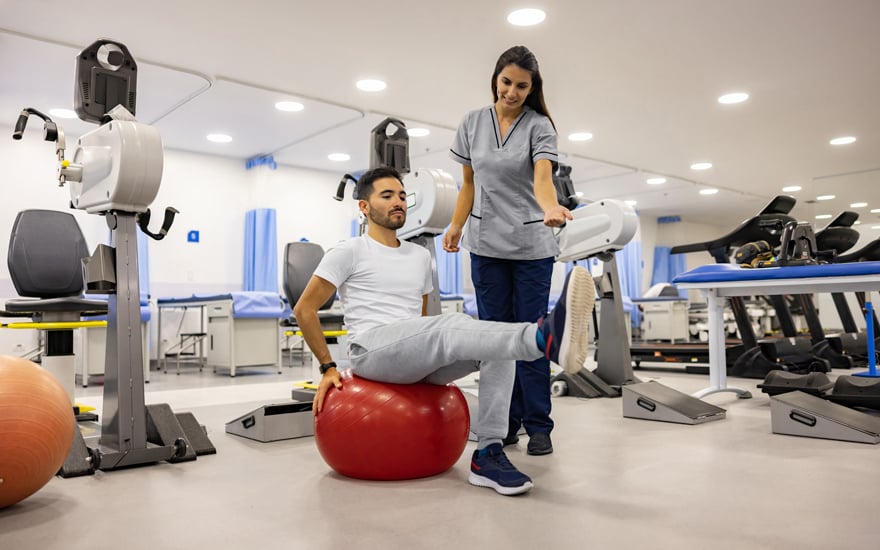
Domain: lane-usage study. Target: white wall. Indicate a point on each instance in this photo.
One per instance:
(212, 195)
(684, 232)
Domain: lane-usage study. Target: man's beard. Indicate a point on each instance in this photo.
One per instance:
(386, 221)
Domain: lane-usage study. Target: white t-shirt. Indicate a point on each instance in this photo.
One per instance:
(377, 284)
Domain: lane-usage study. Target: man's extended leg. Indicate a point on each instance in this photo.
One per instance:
(411, 350)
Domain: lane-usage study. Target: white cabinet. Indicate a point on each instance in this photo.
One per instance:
(90, 351)
(664, 319)
(241, 342)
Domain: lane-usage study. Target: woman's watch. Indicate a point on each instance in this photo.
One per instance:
(326, 366)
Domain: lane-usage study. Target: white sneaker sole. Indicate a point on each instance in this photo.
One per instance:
(579, 301)
(481, 481)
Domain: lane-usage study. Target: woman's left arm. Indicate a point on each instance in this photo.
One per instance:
(555, 214)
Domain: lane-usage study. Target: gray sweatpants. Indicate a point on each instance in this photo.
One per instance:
(443, 348)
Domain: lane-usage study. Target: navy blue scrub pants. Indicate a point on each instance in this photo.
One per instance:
(518, 291)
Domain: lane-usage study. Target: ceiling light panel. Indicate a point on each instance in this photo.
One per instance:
(580, 136)
(249, 114)
(526, 17)
(371, 85)
(845, 140)
(733, 97)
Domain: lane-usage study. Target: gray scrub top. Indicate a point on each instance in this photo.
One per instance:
(506, 220)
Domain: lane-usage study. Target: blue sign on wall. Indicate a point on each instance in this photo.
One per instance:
(192, 236)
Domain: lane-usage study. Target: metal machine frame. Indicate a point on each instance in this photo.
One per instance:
(115, 173)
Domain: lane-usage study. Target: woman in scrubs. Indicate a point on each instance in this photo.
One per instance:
(508, 154)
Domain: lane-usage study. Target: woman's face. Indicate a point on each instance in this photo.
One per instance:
(514, 86)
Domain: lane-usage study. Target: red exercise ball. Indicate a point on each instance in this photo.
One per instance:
(36, 428)
(375, 430)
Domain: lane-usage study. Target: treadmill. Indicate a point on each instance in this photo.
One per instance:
(751, 358)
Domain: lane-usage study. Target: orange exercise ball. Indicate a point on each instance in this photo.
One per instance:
(36, 428)
(380, 431)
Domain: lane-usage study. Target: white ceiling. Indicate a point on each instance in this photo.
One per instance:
(641, 75)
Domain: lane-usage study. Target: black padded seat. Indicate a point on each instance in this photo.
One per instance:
(766, 226)
(868, 253)
(45, 255)
(853, 391)
(779, 381)
(300, 261)
(31, 307)
(839, 235)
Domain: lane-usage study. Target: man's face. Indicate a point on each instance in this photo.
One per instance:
(386, 205)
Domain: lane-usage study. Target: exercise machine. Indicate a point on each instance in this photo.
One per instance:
(115, 172)
(598, 230)
(765, 226)
(758, 357)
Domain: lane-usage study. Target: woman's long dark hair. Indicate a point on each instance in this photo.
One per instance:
(524, 59)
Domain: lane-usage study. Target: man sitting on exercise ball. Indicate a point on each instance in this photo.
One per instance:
(383, 284)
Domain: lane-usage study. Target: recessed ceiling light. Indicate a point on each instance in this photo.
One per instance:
(701, 166)
(526, 17)
(823, 216)
(418, 132)
(791, 188)
(580, 136)
(733, 97)
(630, 203)
(708, 191)
(289, 106)
(875, 211)
(62, 113)
(655, 181)
(579, 193)
(846, 140)
(858, 205)
(824, 197)
(219, 138)
(371, 85)
(857, 222)
(875, 227)
(339, 157)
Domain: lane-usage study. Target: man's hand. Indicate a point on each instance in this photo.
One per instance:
(557, 216)
(330, 378)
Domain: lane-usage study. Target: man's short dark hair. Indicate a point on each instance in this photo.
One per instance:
(365, 182)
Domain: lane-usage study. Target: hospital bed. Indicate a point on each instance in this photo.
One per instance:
(240, 329)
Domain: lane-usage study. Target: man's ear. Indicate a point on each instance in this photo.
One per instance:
(363, 206)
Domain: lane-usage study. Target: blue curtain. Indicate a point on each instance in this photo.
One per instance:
(261, 250)
(629, 266)
(667, 266)
(449, 270)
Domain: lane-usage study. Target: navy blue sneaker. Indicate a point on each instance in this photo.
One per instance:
(566, 328)
(493, 470)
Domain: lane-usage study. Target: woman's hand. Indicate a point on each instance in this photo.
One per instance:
(557, 216)
(451, 238)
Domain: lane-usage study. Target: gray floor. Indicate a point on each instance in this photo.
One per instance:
(611, 483)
